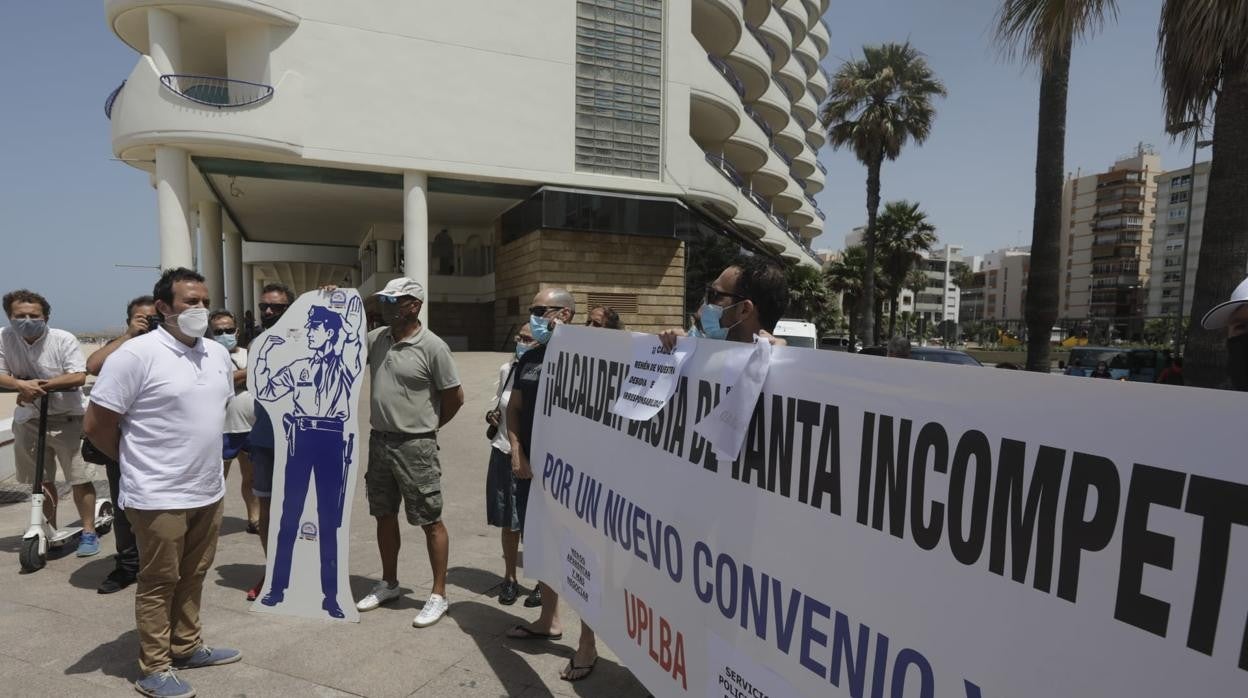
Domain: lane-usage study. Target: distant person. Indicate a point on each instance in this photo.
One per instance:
(1172, 374)
(415, 391)
(602, 316)
(507, 496)
(140, 319)
(898, 348)
(240, 415)
(159, 409)
(275, 298)
(1101, 371)
(1233, 315)
(36, 360)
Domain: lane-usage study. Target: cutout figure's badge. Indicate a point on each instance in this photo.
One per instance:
(307, 531)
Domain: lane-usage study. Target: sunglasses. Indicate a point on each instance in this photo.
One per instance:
(218, 331)
(274, 307)
(713, 297)
(542, 310)
(392, 300)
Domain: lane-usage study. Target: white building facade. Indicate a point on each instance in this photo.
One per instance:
(484, 148)
(1176, 192)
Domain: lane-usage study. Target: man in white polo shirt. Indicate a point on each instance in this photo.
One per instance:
(36, 360)
(159, 409)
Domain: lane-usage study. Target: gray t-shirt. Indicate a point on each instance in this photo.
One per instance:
(407, 377)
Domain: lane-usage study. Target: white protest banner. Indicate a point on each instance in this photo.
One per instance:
(652, 377)
(724, 428)
(897, 528)
(307, 374)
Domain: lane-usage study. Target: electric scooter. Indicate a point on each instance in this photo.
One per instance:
(40, 535)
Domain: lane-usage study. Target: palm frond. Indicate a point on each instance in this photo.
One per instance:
(1038, 30)
(1197, 41)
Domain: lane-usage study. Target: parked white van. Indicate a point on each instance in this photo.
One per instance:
(798, 333)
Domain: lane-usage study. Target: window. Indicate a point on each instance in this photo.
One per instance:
(1177, 213)
(1180, 181)
(1179, 197)
(619, 86)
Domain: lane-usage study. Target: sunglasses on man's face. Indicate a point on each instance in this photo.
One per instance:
(394, 300)
(542, 310)
(713, 296)
(273, 307)
(218, 331)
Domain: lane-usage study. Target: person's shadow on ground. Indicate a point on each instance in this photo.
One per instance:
(115, 658)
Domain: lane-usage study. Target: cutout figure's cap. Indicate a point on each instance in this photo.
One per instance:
(403, 286)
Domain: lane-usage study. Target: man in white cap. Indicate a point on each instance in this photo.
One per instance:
(415, 391)
(1233, 315)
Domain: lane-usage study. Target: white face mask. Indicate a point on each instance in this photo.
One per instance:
(193, 322)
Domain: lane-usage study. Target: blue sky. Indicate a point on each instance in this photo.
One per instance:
(69, 213)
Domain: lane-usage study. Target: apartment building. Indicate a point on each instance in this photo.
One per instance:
(1176, 194)
(484, 148)
(1106, 240)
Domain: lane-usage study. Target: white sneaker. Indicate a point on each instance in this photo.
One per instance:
(433, 611)
(379, 594)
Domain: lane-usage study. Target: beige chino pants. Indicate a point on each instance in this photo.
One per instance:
(176, 548)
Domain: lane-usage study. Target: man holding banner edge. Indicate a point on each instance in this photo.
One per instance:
(747, 299)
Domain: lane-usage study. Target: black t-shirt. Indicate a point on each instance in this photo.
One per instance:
(527, 380)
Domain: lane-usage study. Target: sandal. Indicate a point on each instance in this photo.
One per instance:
(568, 673)
(523, 632)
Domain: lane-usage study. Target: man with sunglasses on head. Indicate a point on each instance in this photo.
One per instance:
(415, 391)
(746, 300)
(274, 300)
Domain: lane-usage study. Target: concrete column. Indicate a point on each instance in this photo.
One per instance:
(355, 277)
(164, 39)
(251, 291)
(234, 299)
(171, 204)
(416, 233)
(385, 257)
(210, 251)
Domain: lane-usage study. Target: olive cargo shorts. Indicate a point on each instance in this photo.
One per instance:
(404, 467)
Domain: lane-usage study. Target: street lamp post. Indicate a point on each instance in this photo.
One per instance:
(1197, 144)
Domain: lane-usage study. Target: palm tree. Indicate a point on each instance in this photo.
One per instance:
(902, 232)
(916, 282)
(1043, 32)
(845, 276)
(808, 294)
(877, 104)
(1203, 51)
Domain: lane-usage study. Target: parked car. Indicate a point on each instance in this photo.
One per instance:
(838, 343)
(1139, 365)
(933, 354)
(797, 333)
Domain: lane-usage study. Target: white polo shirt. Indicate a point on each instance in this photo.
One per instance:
(172, 400)
(54, 354)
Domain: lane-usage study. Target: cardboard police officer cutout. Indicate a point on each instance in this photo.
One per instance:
(306, 372)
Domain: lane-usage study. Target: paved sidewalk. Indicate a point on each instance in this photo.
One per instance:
(59, 638)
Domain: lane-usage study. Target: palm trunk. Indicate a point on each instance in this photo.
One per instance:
(867, 330)
(1224, 244)
(892, 312)
(1042, 285)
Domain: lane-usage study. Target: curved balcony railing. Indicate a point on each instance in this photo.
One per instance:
(757, 199)
(725, 168)
(222, 93)
(820, 165)
(112, 97)
(783, 158)
(787, 92)
(758, 119)
(759, 35)
(729, 74)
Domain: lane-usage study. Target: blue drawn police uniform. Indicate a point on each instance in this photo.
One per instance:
(316, 447)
